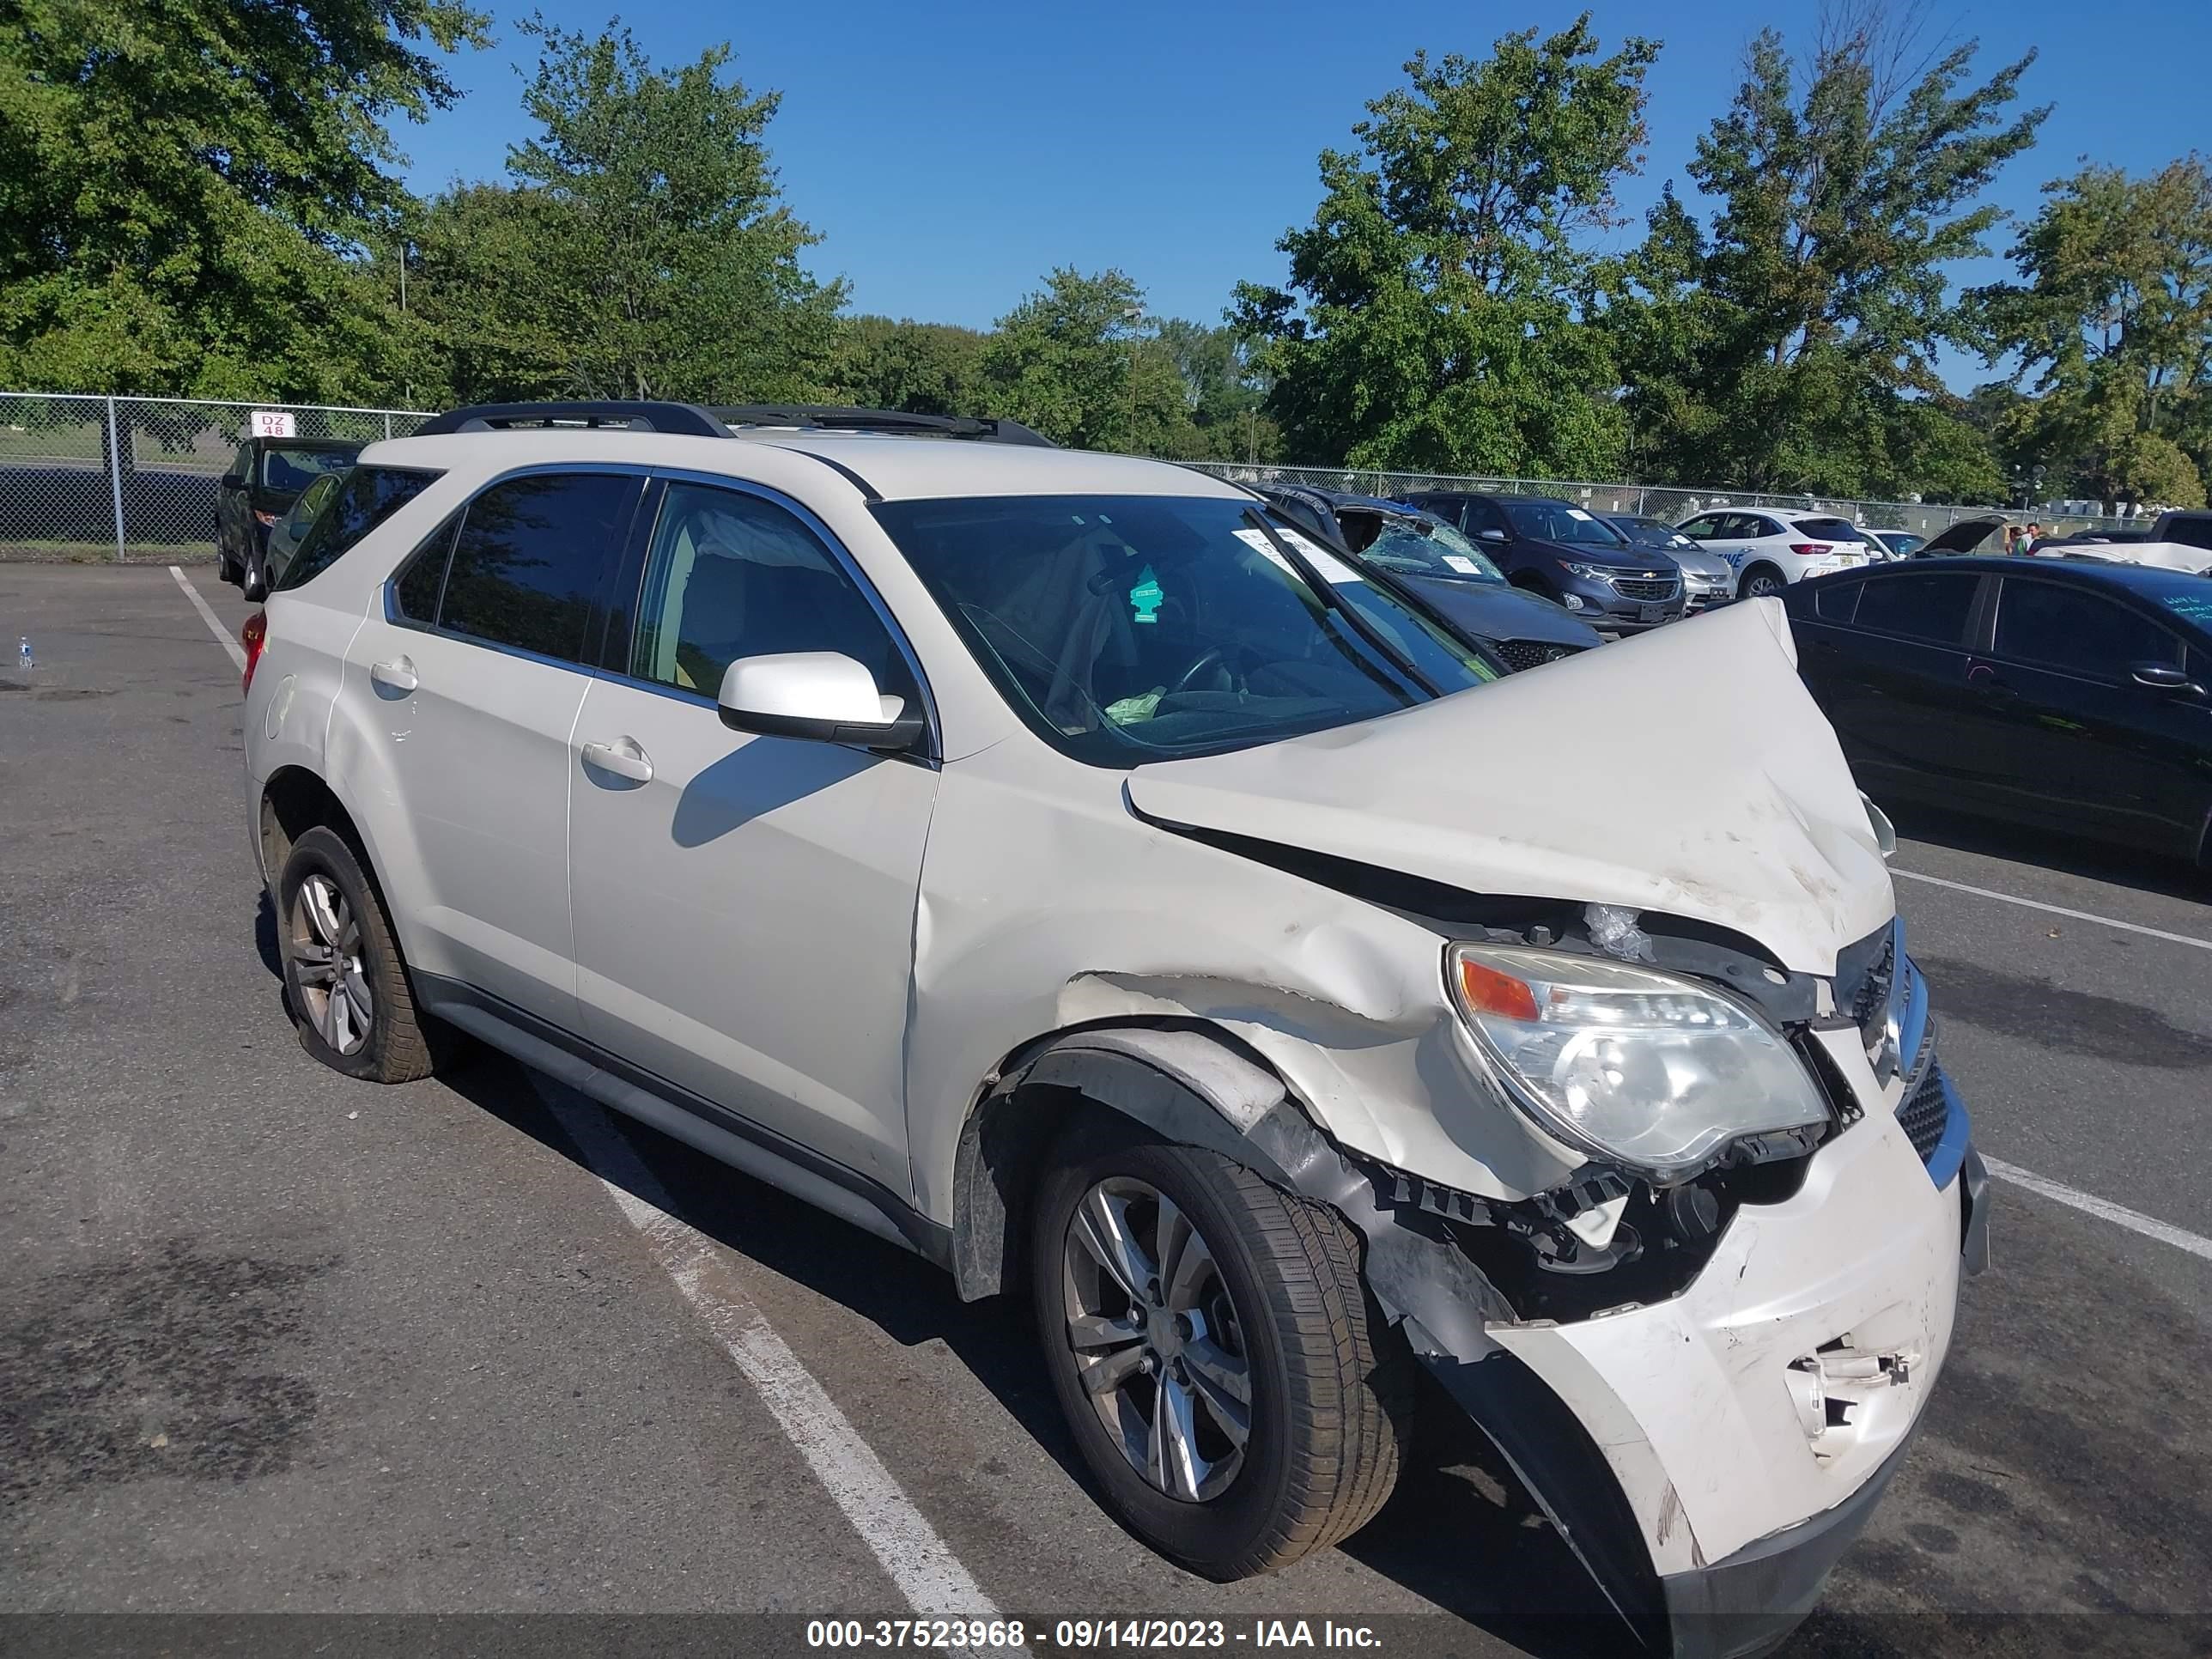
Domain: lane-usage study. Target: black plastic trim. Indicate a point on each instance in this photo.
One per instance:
(868, 491)
(729, 1137)
(683, 420)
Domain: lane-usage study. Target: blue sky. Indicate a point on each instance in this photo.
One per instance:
(950, 155)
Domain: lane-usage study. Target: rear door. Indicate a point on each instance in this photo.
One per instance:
(231, 507)
(2081, 744)
(474, 667)
(1887, 659)
(746, 905)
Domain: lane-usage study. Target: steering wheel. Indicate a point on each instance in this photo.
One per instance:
(1211, 658)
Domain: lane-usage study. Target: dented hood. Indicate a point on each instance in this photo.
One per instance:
(1685, 771)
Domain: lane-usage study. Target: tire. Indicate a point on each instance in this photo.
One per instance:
(396, 1044)
(1328, 1388)
(225, 566)
(1759, 582)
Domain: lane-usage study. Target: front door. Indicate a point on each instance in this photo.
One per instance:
(2083, 746)
(744, 905)
(474, 670)
(1890, 672)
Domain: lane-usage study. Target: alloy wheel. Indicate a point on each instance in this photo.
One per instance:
(1156, 1339)
(326, 950)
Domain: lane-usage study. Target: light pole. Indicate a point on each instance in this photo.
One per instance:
(1131, 317)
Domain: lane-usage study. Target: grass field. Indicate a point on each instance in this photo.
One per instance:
(34, 552)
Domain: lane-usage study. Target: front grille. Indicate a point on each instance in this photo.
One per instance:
(1871, 1004)
(1925, 1113)
(1531, 653)
(1643, 587)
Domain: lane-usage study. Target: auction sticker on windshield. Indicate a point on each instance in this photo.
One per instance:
(1461, 563)
(1326, 564)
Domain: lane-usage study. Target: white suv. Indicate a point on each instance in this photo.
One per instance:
(1055, 864)
(1769, 548)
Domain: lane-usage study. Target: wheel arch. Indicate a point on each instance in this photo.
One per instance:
(294, 801)
(1189, 1082)
(1744, 577)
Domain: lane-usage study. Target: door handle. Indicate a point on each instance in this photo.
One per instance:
(396, 675)
(1990, 684)
(622, 758)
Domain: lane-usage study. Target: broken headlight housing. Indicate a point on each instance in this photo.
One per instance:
(1646, 1069)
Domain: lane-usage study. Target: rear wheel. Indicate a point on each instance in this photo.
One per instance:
(1762, 581)
(1227, 1381)
(343, 977)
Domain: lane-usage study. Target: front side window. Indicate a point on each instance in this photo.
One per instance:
(1705, 528)
(531, 556)
(1128, 628)
(2056, 627)
(1838, 603)
(1929, 606)
(1555, 521)
(733, 575)
(365, 498)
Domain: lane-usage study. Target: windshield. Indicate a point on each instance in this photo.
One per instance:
(1555, 521)
(1136, 627)
(1423, 547)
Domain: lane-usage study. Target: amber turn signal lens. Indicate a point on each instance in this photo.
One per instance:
(1489, 992)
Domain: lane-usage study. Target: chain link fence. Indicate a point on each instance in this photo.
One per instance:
(1671, 502)
(93, 478)
(86, 477)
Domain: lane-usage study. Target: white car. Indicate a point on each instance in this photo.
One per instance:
(1769, 548)
(1056, 865)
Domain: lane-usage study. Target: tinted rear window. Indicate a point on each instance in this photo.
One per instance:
(366, 498)
(531, 557)
(1930, 606)
(1837, 603)
(293, 470)
(1832, 529)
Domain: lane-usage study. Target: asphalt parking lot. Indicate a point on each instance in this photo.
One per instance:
(271, 1341)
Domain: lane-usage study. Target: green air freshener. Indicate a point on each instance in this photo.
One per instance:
(1146, 597)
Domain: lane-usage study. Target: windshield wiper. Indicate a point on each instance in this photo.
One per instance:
(1375, 637)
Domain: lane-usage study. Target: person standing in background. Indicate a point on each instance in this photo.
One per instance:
(2030, 536)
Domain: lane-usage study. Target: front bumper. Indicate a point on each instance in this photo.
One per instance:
(1671, 1444)
(1603, 606)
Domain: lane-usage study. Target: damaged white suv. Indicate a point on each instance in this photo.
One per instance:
(1056, 864)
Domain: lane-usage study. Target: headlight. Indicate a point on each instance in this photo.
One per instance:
(1589, 572)
(1627, 1063)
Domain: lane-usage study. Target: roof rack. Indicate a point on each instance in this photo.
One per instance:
(685, 420)
(829, 417)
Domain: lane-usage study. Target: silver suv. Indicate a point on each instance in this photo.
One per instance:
(1052, 864)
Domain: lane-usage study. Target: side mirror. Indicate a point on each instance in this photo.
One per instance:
(1491, 535)
(2164, 677)
(821, 696)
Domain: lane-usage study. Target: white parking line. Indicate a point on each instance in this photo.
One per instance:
(925, 1572)
(2055, 909)
(214, 623)
(2089, 1204)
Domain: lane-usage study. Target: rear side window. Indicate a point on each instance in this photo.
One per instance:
(422, 579)
(532, 555)
(1838, 604)
(1930, 606)
(2043, 623)
(366, 498)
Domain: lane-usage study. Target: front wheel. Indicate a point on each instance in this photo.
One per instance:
(1761, 582)
(1230, 1385)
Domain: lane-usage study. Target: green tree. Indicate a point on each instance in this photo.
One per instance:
(924, 368)
(1790, 343)
(1437, 311)
(185, 185)
(2113, 321)
(1075, 362)
(652, 245)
